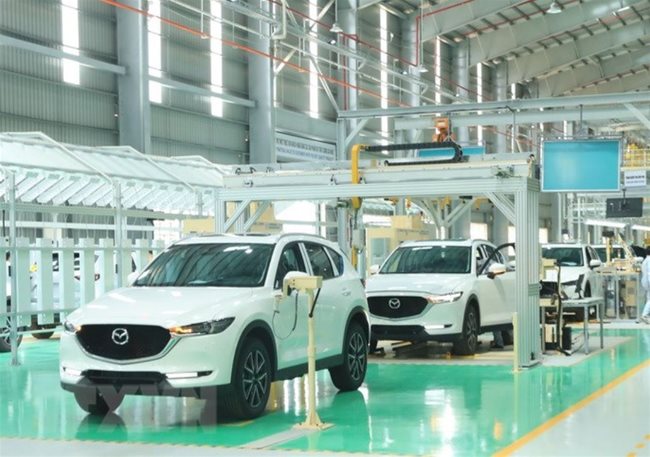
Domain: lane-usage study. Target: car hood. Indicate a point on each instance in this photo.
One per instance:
(415, 283)
(163, 306)
(568, 274)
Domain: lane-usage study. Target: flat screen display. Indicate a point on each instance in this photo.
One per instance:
(581, 166)
(624, 207)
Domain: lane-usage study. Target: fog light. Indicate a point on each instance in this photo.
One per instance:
(188, 374)
(434, 327)
(72, 371)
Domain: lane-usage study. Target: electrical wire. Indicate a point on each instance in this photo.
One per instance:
(295, 320)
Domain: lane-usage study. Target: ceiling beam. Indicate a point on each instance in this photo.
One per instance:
(585, 75)
(505, 40)
(629, 83)
(639, 115)
(557, 57)
(449, 18)
(519, 104)
(525, 117)
(367, 3)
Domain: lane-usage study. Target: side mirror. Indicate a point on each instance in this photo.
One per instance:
(638, 260)
(594, 263)
(512, 265)
(374, 269)
(130, 279)
(286, 289)
(495, 270)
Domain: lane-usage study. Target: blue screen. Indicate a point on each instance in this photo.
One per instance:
(577, 166)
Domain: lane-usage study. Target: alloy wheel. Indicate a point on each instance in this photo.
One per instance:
(356, 356)
(471, 329)
(255, 378)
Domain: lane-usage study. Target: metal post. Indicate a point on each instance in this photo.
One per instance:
(119, 227)
(501, 93)
(13, 331)
(461, 68)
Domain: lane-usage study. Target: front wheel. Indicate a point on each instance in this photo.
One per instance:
(351, 373)
(5, 329)
(248, 394)
(468, 340)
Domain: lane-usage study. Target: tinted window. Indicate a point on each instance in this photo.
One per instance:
(429, 259)
(565, 256)
(196, 265)
(617, 253)
(320, 263)
(338, 261)
(290, 260)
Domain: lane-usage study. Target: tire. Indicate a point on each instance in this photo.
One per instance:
(468, 340)
(247, 396)
(5, 327)
(507, 336)
(95, 404)
(372, 347)
(579, 315)
(351, 373)
(43, 336)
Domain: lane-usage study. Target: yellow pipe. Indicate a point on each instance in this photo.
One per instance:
(356, 150)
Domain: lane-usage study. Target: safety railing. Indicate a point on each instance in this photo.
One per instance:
(636, 158)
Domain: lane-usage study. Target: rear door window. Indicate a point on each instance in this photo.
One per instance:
(290, 260)
(319, 261)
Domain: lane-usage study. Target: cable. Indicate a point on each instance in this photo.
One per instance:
(295, 320)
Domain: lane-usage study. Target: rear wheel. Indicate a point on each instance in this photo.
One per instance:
(351, 373)
(248, 394)
(5, 329)
(468, 340)
(43, 335)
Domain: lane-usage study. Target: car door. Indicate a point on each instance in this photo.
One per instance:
(289, 321)
(327, 321)
(496, 295)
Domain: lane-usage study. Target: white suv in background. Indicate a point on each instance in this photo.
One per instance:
(574, 260)
(209, 312)
(448, 291)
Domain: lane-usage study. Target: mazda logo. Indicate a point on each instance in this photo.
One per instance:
(120, 336)
(394, 303)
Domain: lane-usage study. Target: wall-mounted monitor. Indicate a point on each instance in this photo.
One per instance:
(581, 166)
(624, 207)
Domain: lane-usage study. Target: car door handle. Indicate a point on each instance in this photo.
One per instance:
(346, 292)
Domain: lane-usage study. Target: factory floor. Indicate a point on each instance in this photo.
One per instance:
(414, 402)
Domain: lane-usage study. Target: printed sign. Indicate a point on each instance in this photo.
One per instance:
(635, 178)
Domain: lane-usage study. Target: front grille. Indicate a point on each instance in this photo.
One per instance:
(124, 377)
(396, 307)
(397, 331)
(139, 342)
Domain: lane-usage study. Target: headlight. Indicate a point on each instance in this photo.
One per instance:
(71, 328)
(444, 298)
(203, 328)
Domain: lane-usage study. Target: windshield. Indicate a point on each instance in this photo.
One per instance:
(219, 265)
(565, 256)
(617, 253)
(429, 259)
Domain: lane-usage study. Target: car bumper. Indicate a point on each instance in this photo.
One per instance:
(442, 322)
(193, 362)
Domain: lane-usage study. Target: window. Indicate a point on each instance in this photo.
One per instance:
(428, 259)
(154, 37)
(290, 260)
(565, 256)
(204, 265)
(337, 259)
(70, 40)
(216, 58)
(478, 231)
(320, 263)
(313, 71)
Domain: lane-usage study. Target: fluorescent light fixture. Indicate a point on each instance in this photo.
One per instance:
(625, 8)
(333, 41)
(555, 8)
(600, 223)
(336, 28)
(421, 69)
(641, 228)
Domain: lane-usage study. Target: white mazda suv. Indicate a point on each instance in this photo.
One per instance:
(447, 291)
(209, 311)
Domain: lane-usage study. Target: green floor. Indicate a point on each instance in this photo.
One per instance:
(403, 408)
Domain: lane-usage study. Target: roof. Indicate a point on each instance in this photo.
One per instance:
(253, 238)
(456, 242)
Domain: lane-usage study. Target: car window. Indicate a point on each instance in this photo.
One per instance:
(290, 260)
(337, 259)
(565, 256)
(490, 256)
(320, 262)
(428, 259)
(202, 265)
(480, 258)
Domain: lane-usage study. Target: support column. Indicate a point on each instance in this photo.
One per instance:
(501, 93)
(261, 118)
(409, 53)
(500, 225)
(460, 228)
(461, 76)
(134, 112)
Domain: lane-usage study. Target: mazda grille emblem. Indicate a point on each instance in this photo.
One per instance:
(120, 336)
(394, 303)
